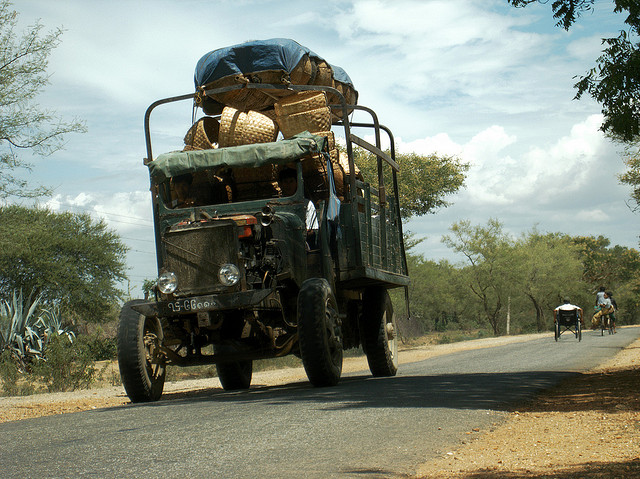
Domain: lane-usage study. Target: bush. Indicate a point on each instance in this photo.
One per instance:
(66, 366)
(101, 347)
(14, 382)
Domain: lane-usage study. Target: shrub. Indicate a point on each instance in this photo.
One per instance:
(14, 381)
(66, 365)
(101, 347)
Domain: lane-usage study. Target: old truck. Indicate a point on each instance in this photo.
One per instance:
(243, 276)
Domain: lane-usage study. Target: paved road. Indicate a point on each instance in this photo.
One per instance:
(364, 427)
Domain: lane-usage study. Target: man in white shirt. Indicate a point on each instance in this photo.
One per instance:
(567, 306)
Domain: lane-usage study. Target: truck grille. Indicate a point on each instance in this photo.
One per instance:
(196, 252)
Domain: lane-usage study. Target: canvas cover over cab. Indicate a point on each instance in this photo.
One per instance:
(281, 152)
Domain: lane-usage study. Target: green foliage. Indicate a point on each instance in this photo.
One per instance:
(26, 328)
(12, 376)
(23, 124)
(72, 261)
(101, 347)
(548, 268)
(528, 276)
(423, 181)
(67, 365)
(489, 271)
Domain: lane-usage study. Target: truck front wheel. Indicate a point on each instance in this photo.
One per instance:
(319, 333)
(141, 363)
(378, 332)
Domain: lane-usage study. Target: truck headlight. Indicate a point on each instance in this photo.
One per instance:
(229, 274)
(167, 282)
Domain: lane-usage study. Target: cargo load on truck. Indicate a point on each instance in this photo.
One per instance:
(278, 61)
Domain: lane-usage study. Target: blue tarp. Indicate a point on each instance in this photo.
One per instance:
(255, 56)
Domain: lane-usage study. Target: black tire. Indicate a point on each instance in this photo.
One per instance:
(233, 375)
(378, 332)
(602, 325)
(319, 333)
(556, 331)
(142, 366)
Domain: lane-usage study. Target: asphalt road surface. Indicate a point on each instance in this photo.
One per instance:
(364, 427)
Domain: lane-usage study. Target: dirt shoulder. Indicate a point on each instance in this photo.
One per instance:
(586, 427)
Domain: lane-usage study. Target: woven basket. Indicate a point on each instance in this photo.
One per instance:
(203, 134)
(312, 120)
(299, 102)
(240, 128)
(323, 74)
(350, 98)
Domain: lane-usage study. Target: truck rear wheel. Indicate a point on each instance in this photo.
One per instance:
(141, 363)
(378, 332)
(319, 333)
(233, 375)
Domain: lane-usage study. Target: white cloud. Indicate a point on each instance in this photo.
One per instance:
(596, 215)
(122, 211)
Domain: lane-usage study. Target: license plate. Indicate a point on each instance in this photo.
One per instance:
(191, 305)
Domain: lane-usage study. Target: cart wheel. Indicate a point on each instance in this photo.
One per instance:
(556, 330)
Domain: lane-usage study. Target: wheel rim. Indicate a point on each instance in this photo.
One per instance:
(333, 333)
(390, 332)
(154, 359)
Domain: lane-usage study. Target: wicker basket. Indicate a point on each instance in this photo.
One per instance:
(323, 74)
(312, 120)
(299, 102)
(240, 128)
(203, 134)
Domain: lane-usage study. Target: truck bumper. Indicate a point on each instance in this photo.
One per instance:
(194, 304)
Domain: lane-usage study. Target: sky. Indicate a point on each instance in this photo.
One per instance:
(477, 79)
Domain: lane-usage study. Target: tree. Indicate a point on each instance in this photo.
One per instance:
(489, 270)
(71, 260)
(423, 181)
(549, 269)
(23, 124)
(615, 80)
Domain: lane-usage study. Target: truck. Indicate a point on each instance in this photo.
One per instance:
(242, 276)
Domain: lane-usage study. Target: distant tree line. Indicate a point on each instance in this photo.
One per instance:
(526, 277)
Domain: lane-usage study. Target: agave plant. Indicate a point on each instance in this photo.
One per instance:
(25, 329)
(18, 326)
(50, 322)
